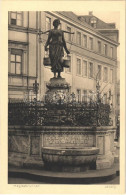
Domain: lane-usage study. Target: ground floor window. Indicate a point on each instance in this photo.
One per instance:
(16, 61)
(84, 98)
(78, 95)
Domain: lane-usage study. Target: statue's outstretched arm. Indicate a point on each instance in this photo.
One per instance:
(63, 31)
(68, 32)
(45, 32)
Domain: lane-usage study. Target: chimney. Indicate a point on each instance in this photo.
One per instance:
(91, 13)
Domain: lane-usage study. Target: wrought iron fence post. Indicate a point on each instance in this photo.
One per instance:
(97, 113)
(35, 88)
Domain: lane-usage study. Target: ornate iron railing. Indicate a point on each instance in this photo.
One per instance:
(70, 114)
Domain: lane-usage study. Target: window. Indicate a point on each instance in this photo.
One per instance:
(60, 26)
(118, 99)
(84, 68)
(90, 69)
(48, 23)
(17, 18)
(78, 95)
(78, 38)
(99, 72)
(69, 69)
(16, 61)
(111, 52)
(105, 76)
(84, 99)
(99, 46)
(111, 76)
(105, 49)
(93, 22)
(91, 43)
(69, 35)
(85, 41)
(105, 98)
(78, 66)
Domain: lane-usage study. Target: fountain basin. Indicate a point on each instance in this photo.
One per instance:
(65, 158)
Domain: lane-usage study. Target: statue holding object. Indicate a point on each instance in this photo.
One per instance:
(56, 43)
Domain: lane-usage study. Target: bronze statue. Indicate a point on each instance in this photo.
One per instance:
(56, 44)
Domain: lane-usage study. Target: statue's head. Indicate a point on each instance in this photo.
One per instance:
(56, 22)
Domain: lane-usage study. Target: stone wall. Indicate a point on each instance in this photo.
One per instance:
(25, 143)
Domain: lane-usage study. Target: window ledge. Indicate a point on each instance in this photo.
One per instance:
(78, 75)
(18, 42)
(91, 78)
(84, 76)
(68, 72)
(91, 50)
(12, 74)
(105, 81)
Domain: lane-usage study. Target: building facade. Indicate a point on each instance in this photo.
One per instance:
(93, 55)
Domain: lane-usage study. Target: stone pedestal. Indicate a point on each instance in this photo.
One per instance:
(58, 91)
(105, 143)
(116, 152)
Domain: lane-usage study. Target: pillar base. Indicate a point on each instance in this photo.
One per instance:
(104, 161)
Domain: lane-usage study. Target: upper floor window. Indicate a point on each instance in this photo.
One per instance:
(99, 46)
(118, 99)
(69, 69)
(48, 23)
(111, 52)
(84, 68)
(91, 43)
(90, 69)
(105, 49)
(16, 61)
(79, 38)
(85, 41)
(105, 76)
(99, 72)
(111, 76)
(60, 26)
(78, 66)
(68, 35)
(17, 18)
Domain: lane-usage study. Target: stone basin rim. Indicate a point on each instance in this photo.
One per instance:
(70, 148)
(70, 151)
